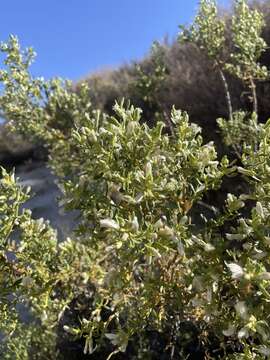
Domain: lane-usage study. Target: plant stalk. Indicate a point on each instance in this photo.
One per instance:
(254, 95)
(227, 92)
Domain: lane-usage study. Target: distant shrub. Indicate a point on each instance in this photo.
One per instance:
(13, 147)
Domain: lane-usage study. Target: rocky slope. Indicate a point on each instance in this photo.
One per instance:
(44, 195)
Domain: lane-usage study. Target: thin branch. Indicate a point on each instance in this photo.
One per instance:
(227, 92)
(168, 122)
(254, 95)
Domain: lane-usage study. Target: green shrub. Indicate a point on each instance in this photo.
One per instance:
(143, 277)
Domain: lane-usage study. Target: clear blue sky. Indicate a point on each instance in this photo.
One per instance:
(76, 37)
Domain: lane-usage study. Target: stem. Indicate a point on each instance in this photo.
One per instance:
(254, 95)
(168, 122)
(227, 91)
(229, 101)
(167, 119)
(265, 292)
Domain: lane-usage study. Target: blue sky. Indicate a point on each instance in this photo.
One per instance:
(76, 37)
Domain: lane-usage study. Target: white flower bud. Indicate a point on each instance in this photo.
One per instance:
(243, 333)
(159, 224)
(135, 224)
(264, 276)
(236, 270)
(109, 224)
(230, 331)
(241, 309)
(148, 170)
(259, 210)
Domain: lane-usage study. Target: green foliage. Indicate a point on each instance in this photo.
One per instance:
(149, 84)
(48, 107)
(140, 262)
(208, 33)
(242, 130)
(34, 269)
(25, 267)
(247, 26)
(208, 30)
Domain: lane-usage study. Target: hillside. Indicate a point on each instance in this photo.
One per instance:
(190, 82)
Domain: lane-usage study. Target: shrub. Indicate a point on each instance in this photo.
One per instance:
(143, 278)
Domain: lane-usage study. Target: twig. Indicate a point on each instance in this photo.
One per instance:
(227, 91)
(254, 95)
